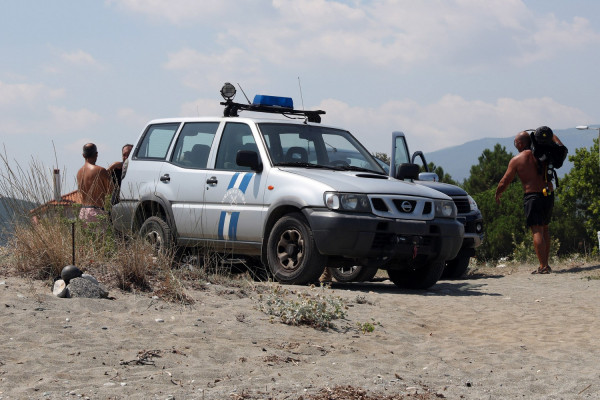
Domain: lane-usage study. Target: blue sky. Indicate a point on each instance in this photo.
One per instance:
(443, 71)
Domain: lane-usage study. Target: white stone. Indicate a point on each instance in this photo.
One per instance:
(60, 289)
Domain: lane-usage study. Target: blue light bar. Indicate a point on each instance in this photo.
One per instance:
(262, 100)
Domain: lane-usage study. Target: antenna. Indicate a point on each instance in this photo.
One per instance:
(55, 157)
(301, 97)
(247, 99)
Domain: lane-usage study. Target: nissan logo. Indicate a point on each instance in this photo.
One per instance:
(406, 206)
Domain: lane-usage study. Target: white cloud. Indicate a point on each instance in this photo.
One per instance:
(450, 121)
(212, 70)
(18, 94)
(185, 11)
(202, 108)
(64, 120)
(387, 33)
(132, 118)
(551, 37)
(80, 58)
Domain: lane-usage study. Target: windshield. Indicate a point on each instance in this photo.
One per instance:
(316, 147)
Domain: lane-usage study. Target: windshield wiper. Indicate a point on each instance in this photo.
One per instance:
(354, 168)
(306, 165)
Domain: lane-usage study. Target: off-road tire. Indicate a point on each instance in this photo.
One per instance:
(158, 233)
(456, 268)
(422, 277)
(292, 254)
(356, 273)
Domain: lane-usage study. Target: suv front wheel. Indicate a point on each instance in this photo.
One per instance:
(158, 233)
(422, 277)
(291, 251)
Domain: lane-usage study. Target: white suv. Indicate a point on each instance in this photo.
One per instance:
(275, 190)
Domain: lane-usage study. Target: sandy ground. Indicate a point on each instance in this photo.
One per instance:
(497, 335)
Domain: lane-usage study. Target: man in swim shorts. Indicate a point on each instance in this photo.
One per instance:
(94, 185)
(538, 200)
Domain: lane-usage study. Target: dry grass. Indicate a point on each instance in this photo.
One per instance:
(40, 250)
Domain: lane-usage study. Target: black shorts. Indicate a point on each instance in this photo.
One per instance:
(538, 208)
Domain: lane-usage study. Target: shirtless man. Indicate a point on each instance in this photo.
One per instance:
(94, 185)
(538, 206)
(116, 172)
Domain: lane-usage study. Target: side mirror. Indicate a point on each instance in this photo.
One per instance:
(408, 171)
(249, 158)
(429, 176)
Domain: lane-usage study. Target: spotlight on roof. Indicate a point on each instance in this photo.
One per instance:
(228, 91)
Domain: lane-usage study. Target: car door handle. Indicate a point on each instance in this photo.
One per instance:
(212, 180)
(165, 178)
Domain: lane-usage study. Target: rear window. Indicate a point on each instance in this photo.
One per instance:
(156, 141)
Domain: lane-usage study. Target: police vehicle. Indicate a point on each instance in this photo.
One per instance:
(272, 189)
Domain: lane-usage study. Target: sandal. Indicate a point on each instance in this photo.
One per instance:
(545, 270)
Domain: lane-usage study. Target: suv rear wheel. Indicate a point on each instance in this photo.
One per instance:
(420, 278)
(356, 273)
(291, 251)
(158, 233)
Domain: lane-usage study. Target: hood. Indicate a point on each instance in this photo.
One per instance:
(365, 182)
(446, 188)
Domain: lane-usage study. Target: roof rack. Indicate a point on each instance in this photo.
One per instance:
(265, 104)
(232, 109)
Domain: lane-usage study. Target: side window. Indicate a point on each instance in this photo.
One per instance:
(193, 144)
(401, 151)
(236, 137)
(156, 141)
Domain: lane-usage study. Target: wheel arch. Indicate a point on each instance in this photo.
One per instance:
(273, 217)
(153, 206)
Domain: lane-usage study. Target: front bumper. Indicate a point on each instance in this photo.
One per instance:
(473, 223)
(369, 236)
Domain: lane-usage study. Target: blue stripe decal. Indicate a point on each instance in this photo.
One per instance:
(221, 224)
(232, 181)
(246, 181)
(233, 226)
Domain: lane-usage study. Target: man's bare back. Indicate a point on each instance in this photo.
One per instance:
(525, 166)
(93, 182)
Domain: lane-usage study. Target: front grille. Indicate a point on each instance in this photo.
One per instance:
(405, 206)
(379, 204)
(462, 205)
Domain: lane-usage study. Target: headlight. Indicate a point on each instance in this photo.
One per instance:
(347, 202)
(472, 203)
(445, 209)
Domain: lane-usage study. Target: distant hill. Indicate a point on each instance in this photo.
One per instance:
(9, 210)
(457, 160)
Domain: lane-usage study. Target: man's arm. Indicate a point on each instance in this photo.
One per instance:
(115, 165)
(556, 140)
(508, 177)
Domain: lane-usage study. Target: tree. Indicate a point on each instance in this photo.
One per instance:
(489, 171)
(383, 157)
(579, 191)
(444, 177)
(504, 224)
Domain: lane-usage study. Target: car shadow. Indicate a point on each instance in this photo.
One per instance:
(441, 288)
(574, 270)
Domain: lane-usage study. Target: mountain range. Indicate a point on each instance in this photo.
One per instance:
(457, 160)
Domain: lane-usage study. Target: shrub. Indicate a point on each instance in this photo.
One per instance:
(316, 310)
